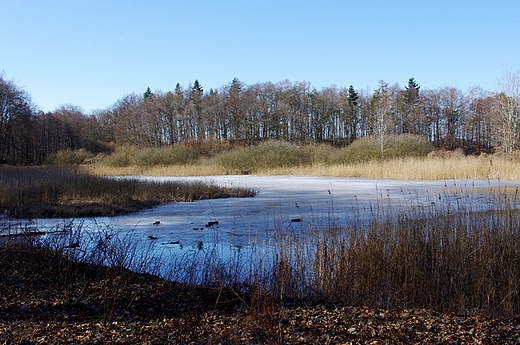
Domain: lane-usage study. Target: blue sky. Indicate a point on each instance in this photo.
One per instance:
(92, 53)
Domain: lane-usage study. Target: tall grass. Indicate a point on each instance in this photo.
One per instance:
(268, 155)
(67, 191)
(273, 155)
(448, 257)
(68, 157)
(461, 258)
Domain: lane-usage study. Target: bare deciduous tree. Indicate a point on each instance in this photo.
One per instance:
(507, 103)
(16, 111)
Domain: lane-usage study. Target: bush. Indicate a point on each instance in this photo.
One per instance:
(68, 157)
(324, 154)
(121, 157)
(152, 156)
(395, 146)
(268, 155)
(361, 150)
(280, 154)
(407, 145)
(237, 161)
(174, 155)
(179, 155)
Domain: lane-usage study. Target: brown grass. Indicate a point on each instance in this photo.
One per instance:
(415, 168)
(446, 258)
(444, 166)
(71, 192)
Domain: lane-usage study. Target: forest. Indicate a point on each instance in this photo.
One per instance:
(477, 120)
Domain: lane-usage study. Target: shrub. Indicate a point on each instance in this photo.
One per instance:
(268, 155)
(121, 157)
(238, 161)
(173, 155)
(361, 150)
(179, 155)
(68, 157)
(407, 145)
(280, 154)
(324, 154)
(395, 146)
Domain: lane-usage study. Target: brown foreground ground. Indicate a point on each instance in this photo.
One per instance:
(45, 299)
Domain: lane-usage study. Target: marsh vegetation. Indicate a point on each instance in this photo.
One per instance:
(458, 257)
(445, 257)
(405, 158)
(67, 191)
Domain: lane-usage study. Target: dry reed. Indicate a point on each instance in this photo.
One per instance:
(67, 191)
(449, 257)
(409, 168)
(444, 257)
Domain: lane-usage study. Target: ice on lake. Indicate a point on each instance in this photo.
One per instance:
(283, 204)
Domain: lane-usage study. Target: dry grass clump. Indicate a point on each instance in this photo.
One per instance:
(267, 155)
(50, 297)
(67, 191)
(175, 155)
(206, 169)
(280, 155)
(444, 257)
(69, 157)
(409, 168)
(415, 168)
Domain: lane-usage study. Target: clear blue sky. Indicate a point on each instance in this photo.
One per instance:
(91, 53)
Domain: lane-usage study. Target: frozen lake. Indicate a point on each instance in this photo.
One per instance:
(283, 204)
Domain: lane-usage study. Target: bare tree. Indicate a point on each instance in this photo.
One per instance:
(453, 106)
(16, 112)
(507, 103)
(432, 113)
(130, 123)
(381, 110)
(478, 129)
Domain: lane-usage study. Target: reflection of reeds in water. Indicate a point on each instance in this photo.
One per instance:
(452, 254)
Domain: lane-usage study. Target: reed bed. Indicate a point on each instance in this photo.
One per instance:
(448, 257)
(461, 262)
(410, 168)
(417, 168)
(406, 158)
(201, 169)
(68, 191)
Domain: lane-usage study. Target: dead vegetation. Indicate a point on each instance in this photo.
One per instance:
(439, 275)
(91, 304)
(70, 192)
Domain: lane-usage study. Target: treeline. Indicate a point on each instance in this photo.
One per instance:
(478, 121)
